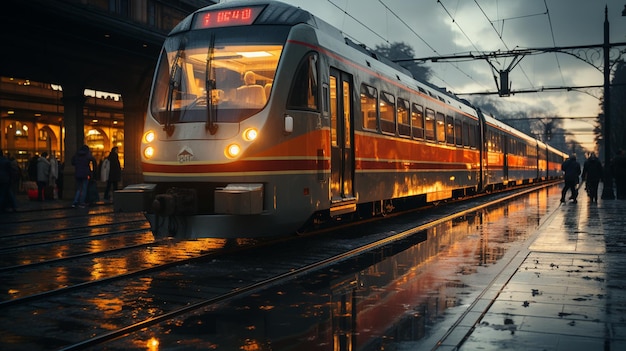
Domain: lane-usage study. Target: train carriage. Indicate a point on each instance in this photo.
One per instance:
(264, 118)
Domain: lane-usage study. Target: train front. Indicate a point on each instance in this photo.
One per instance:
(215, 148)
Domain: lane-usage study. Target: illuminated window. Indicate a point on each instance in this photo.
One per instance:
(369, 104)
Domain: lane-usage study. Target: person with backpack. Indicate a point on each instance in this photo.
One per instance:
(592, 175)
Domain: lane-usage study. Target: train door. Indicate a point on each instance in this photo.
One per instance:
(342, 149)
(504, 139)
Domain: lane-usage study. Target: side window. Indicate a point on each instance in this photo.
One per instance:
(417, 121)
(404, 124)
(458, 132)
(441, 127)
(387, 113)
(304, 92)
(430, 124)
(369, 106)
(450, 130)
(466, 132)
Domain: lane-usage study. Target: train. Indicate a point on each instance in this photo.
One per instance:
(264, 120)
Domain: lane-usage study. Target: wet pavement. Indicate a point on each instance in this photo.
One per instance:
(568, 290)
(531, 274)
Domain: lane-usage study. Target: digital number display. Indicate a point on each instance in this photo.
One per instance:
(241, 16)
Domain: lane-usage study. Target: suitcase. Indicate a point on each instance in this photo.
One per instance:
(32, 194)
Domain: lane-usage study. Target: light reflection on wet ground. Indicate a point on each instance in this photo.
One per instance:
(396, 301)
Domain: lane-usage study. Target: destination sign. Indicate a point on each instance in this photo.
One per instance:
(241, 16)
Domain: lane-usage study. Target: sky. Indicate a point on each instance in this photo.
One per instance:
(448, 27)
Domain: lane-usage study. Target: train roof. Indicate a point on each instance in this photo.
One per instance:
(503, 126)
(279, 13)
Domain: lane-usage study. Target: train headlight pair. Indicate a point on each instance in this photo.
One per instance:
(233, 150)
(148, 137)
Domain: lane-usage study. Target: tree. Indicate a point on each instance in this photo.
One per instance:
(400, 51)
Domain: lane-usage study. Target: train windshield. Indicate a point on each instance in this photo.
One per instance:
(219, 75)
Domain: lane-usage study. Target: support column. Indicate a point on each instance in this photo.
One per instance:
(135, 106)
(73, 102)
(607, 190)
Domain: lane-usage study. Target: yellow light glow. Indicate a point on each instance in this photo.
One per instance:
(148, 152)
(233, 150)
(149, 136)
(153, 344)
(250, 134)
(252, 54)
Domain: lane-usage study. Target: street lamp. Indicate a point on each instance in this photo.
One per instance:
(607, 190)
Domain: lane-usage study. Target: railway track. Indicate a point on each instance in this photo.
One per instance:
(115, 291)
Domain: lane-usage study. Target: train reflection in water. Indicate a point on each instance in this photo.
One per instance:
(394, 295)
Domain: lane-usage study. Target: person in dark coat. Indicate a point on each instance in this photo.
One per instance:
(83, 163)
(571, 168)
(43, 175)
(592, 175)
(115, 173)
(619, 173)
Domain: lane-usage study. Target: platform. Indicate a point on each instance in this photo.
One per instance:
(565, 291)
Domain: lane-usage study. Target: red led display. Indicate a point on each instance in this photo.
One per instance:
(241, 16)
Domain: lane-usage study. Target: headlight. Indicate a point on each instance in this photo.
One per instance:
(250, 134)
(148, 137)
(232, 150)
(148, 152)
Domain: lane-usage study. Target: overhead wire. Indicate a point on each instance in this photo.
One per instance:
(359, 22)
(427, 44)
(502, 40)
(558, 63)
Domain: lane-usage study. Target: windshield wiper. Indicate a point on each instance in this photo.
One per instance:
(209, 86)
(175, 82)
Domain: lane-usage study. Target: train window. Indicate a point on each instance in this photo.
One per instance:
(466, 132)
(458, 132)
(369, 106)
(491, 141)
(430, 124)
(440, 127)
(304, 92)
(333, 111)
(404, 124)
(450, 130)
(387, 113)
(417, 121)
(347, 110)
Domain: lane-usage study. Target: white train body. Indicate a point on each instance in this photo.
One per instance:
(302, 125)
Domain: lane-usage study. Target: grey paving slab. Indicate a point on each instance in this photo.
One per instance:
(569, 292)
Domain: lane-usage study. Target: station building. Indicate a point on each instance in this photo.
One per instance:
(78, 72)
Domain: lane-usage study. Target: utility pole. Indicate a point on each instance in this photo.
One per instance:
(607, 190)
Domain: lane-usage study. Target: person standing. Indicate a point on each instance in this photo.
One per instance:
(54, 174)
(43, 175)
(619, 173)
(572, 170)
(82, 162)
(592, 175)
(114, 173)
